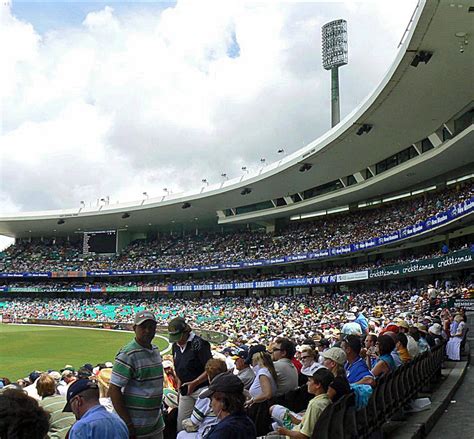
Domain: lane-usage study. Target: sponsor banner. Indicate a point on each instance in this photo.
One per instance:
(24, 289)
(467, 304)
(459, 210)
(459, 258)
(350, 277)
(133, 289)
(12, 274)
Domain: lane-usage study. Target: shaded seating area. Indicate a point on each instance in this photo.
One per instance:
(391, 396)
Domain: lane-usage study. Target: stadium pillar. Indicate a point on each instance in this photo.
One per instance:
(335, 107)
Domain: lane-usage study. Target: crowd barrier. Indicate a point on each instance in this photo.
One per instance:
(391, 394)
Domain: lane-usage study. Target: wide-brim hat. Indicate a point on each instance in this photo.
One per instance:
(224, 382)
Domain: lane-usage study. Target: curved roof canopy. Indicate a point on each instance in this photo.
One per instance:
(429, 85)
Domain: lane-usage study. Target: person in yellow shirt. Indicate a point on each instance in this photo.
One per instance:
(401, 345)
(302, 427)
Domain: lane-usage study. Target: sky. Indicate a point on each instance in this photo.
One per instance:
(113, 99)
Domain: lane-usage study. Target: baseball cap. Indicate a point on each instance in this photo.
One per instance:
(83, 373)
(76, 388)
(224, 382)
(143, 316)
(335, 354)
(167, 364)
(176, 327)
(241, 353)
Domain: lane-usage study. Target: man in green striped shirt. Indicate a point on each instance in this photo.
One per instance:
(136, 385)
(59, 422)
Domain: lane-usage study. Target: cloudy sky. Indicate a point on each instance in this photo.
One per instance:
(117, 98)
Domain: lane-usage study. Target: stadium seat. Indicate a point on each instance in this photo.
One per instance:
(321, 428)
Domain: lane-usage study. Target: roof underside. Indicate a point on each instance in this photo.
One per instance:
(409, 105)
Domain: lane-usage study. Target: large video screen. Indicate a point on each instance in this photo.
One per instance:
(104, 241)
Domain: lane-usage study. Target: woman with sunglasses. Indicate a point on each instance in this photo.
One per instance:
(308, 358)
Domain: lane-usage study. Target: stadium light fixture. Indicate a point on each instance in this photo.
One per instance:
(263, 160)
(365, 128)
(244, 168)
(305, 167)
(83, 204)
(421, 56)
(145, 194)
(281, 151)
(224, 176)
(335, 55)
(204, 180)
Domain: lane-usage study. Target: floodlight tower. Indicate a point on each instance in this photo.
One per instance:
(334, 52)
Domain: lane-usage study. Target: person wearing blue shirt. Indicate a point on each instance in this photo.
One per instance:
(356, 368)
(93, 419)
(361, 319)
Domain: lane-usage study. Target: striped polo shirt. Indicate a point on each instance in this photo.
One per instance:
(59, 422)
(139, 372)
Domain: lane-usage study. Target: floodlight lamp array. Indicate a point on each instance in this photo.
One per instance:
(334, 36)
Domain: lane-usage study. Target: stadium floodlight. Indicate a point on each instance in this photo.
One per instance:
(244, 168)
(334, 41)
(204, 180)
(145, 194)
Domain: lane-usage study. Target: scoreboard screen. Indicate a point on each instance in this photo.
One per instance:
(104, 241)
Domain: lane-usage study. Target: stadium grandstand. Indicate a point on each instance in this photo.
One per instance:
(366, 231)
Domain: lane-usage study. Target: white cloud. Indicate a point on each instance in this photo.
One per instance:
(117, 105)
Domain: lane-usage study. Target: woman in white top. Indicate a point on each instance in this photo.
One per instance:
(453, 348)
(264, 386)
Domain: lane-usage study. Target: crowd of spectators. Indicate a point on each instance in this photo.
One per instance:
(207, 248)
(223, 277)
(252, 318)
(317, 349)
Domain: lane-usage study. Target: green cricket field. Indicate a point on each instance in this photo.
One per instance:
(25, 348)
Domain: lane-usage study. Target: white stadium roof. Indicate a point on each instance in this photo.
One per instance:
(412, 103)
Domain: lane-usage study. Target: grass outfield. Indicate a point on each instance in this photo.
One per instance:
(24, 348)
